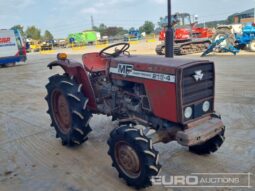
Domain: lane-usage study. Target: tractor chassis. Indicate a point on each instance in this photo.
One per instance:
(194, 133)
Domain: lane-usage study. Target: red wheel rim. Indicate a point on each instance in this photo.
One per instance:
(127, 159)
(61, 112)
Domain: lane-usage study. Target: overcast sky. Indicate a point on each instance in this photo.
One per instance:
(62, 17)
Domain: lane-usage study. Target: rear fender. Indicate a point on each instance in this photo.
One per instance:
(76, 69)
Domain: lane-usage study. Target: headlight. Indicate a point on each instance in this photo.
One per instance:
(188, 112)
(206, 106)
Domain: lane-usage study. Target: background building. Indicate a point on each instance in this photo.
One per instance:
(243, 17)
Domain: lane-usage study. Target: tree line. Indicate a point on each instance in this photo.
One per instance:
(34, 33)
(148, 27)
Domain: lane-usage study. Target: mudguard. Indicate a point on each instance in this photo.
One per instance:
(77, 70)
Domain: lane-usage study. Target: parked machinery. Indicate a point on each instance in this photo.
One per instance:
(188, 37)
(61, 43)
(232, 38)
(33, 45)
(47, 45)
(133, 35)
(84, 38)
(247, 38)
(154, 99)
(12, 47)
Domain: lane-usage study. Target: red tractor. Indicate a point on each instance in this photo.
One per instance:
(154, 99)
(188, 37)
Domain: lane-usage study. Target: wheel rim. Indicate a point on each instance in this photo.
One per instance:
(61, 111)
(127, 159)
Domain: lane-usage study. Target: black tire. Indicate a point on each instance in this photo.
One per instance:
(230, 41)
(241, 46)
(160, 50)
(67, 109)
(209, 146)
(140, 148)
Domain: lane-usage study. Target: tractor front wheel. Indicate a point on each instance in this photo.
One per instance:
(133, 156)
(209, 146)
(68, 110)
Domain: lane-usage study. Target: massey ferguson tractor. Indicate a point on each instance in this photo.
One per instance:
(153, 99)
(188, 37)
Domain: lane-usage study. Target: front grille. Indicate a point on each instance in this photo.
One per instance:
(194, 91)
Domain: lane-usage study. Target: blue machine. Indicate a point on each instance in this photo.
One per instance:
(133, 35)
(246, 38)
(248, 35)
(216, 45)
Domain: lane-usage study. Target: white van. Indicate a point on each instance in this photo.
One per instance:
(12, 47)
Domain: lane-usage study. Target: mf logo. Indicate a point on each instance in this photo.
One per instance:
(198, 76)
(125, 69)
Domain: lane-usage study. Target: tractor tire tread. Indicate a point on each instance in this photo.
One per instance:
(80, 115)
(149, 162)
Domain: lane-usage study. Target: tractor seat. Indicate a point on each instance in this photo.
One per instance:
(93, 62)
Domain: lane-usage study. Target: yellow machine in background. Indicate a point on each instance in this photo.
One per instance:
(35, 46)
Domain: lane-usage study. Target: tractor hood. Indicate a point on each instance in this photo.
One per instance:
(191, 81)
(155, 63)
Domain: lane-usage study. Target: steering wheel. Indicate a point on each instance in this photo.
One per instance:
(124, 48)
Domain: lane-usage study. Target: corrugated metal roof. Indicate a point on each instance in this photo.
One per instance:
(249, 11)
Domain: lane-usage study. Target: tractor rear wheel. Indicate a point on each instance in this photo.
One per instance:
(133, 156)
(209, 146)
(67, 109)
(222, 32)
